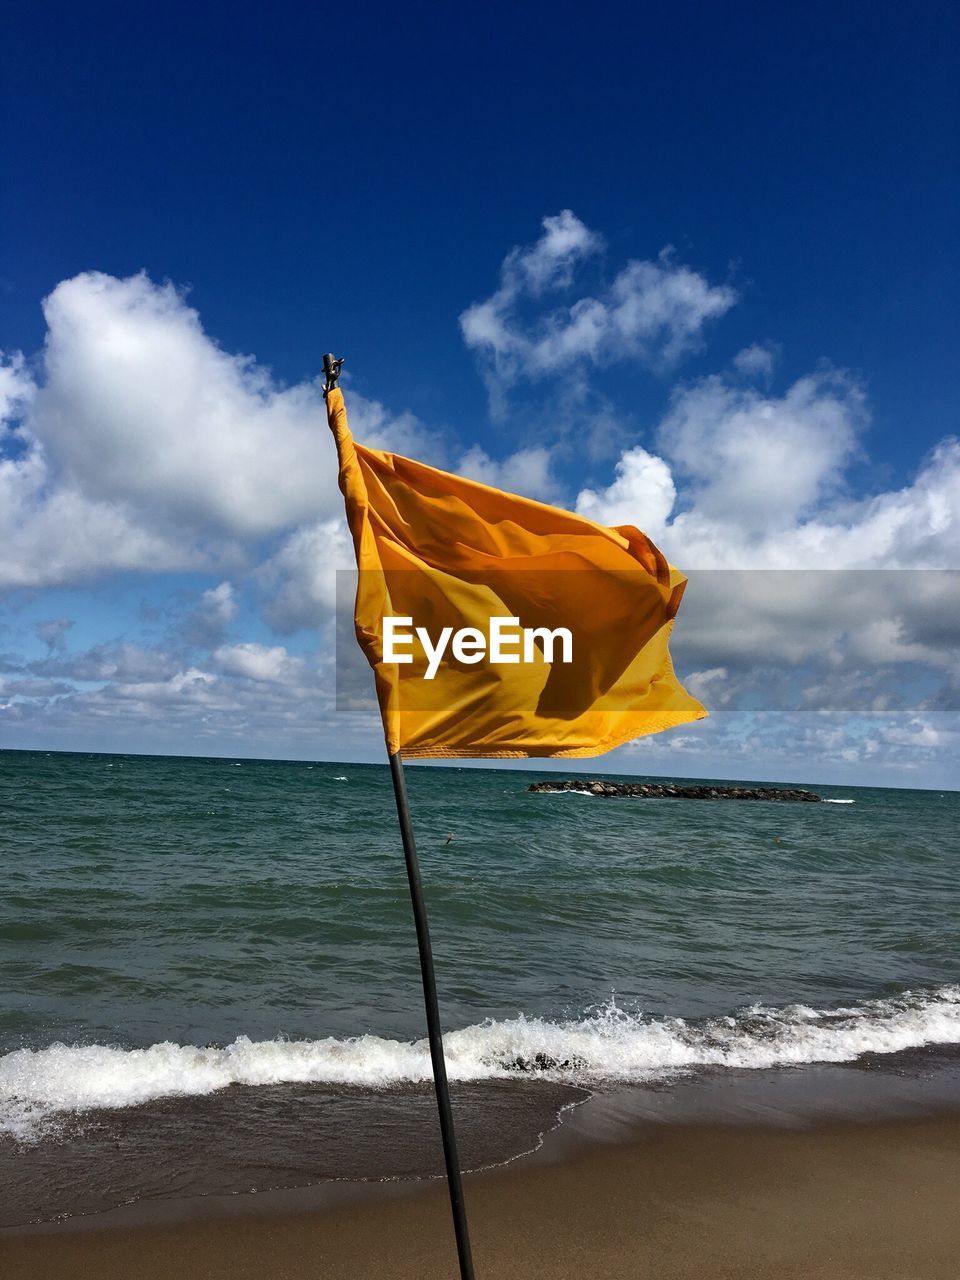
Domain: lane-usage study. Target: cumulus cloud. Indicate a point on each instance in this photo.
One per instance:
(762, 463)
(883, 750)
(17, 387)
(49, 532)
(207, 623)
(653, 311)
(871, 618)
(800, 595)
(245, 699)
(528, 472)
(919, 733)
(101, 663)
(756, 361)
(190, 686)
(51, 535)
(266, 663)
(140, 405)
(642, 492)
(745, 480)
(300, 580)
(136, 442)
(144, 445)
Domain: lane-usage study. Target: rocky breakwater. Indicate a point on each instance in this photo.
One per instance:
(672, 791)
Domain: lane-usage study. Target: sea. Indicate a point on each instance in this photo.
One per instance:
(209, 982)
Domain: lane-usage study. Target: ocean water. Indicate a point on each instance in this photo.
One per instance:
(218, 957)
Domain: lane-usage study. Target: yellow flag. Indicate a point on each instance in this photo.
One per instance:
(497, 626)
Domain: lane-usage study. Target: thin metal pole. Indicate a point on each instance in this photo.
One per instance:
(434, 1032)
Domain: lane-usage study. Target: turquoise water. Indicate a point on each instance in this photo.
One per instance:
(236, 936)
(148, 899)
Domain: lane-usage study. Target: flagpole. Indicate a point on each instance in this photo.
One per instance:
(434, 1032)
(331, 368)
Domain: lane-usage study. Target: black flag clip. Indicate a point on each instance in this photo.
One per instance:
(331, 370)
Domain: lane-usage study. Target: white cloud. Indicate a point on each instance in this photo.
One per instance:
(143, 445)
(139, 405)
(839, 619)
(17, 387)
(761, 463)
(799, 595)
(917, 526)
(919, 733)
(756, 361)
(271, 664)
(191, 686)
(219, 602)
(50, 532)
(207, 623)
(642, 493)
(51, 535)
(760, 485)
(124, 662)
(528, 472)
(551, 262)
(711, 686)
(301, 578)
(146, 446)
(879, 750)
(653, 311)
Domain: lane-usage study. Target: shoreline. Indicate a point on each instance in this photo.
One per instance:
(202, 1174)
(846, 1200)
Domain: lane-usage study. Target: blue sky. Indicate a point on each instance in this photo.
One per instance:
(320, 178)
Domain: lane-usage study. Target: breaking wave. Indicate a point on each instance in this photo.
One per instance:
(607, 1044)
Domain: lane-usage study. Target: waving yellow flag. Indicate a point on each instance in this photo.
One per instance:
(499, 626)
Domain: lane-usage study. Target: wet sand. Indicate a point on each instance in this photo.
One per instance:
(865, 1201)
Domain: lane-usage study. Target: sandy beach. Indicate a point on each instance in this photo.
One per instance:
(849, 1202)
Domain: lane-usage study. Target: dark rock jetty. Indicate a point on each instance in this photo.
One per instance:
(670, 790)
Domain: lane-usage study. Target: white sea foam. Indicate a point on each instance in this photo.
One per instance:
(827, 800)
(606, 1044)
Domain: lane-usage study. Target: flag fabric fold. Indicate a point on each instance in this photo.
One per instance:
(446, 552)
